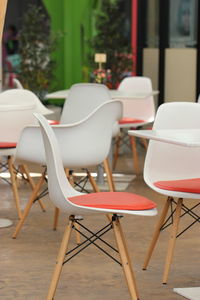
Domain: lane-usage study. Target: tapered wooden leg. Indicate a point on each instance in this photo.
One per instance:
(14, 185)
(125, 259)
(60, 259)
(145, 143)
(69, 175)
(56, 216)
(67, 172)
(157, 233)
(32, 184)
(109, 175)
(117, 147)
(172, 239)
(135, 154)
(29, 204)
(93, 182)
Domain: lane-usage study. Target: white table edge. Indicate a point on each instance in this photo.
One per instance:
(181, 141)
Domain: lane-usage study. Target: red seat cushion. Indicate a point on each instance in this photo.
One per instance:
(183, 185)
(7, 145)
(53, 122)
(114, 200)
(129, 120)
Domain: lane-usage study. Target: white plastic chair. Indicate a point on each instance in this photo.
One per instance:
(167, 164)
(83, 98)
(137, 112)
(40, 107)
(75, 204)
(84, 143)
(13, 118)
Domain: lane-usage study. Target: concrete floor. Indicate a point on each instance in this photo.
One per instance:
(26, 264)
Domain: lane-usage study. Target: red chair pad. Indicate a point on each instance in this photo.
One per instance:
(114, 200)
(184, 185)
(53, 122)
(7, 145)
(129, 120)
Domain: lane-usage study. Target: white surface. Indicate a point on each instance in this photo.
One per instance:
(115, 94)
(182, 137)
(189, 293)
(5, 223)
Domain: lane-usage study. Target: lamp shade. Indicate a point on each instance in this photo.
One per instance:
(100, 57)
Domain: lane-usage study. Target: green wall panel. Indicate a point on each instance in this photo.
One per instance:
(73, 19)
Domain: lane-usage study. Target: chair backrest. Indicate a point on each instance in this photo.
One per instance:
(82, 99)
(21, 96)
(166, 161)
(59, 187)
(143, 109)
(83, 144)
(14, 116)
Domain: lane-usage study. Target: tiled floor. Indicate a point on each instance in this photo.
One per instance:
(26, 264)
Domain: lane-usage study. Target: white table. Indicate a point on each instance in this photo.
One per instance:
(181, 137)
(115, 94)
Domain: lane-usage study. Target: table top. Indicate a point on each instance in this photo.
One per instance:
(182, 137)
(115, 94)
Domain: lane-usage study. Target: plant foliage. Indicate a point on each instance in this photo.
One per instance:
(113, 38)
(36, 45)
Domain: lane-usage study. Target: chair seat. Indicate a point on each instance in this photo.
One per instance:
(113, 200)
(183, 185)
(7, 145)
(130, 121)
(53, 122)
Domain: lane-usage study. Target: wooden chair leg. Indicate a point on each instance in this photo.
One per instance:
(172, 239)
(32, 184)
(125, 259)
(109, 175)
(145, 143)
(29, 204)
(60, 259)
(117, 147)
(56, 216)
(93, 182)
(69, 176)
(156, 233)
(135, 154)
(14, 185)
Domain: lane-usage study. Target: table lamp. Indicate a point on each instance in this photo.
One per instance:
(100, 58)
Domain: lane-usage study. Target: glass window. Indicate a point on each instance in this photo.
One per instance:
(183, 23)
(152, 30)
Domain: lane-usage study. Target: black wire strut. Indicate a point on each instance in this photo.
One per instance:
(91, 241)
(186, 210)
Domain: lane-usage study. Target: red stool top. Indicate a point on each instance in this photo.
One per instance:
(184, 185)
(7, 145)
(114, 200)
